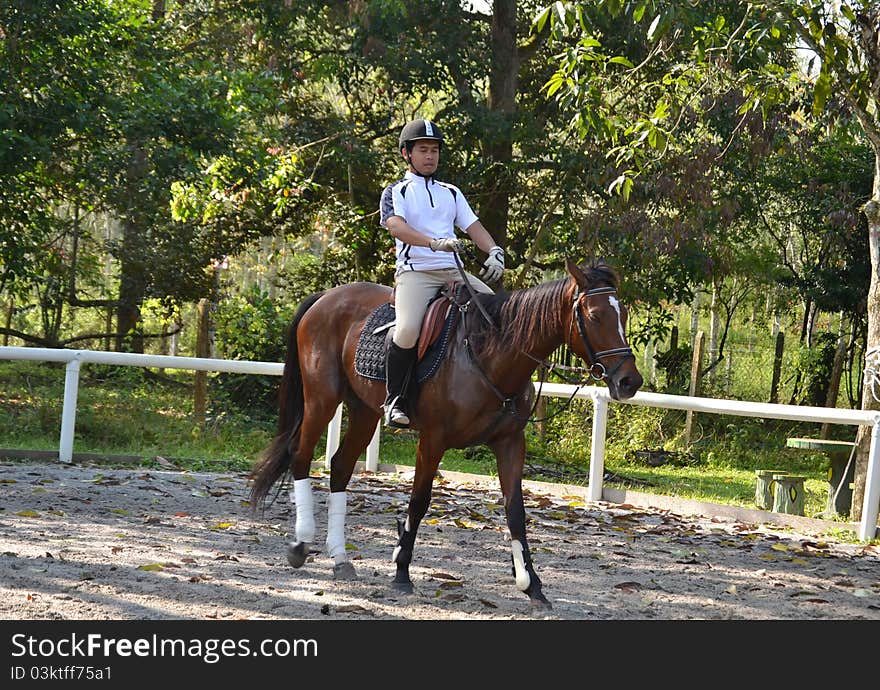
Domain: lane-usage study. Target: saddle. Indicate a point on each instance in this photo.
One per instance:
(437, 326)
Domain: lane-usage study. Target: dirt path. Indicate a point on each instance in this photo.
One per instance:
(92, 543)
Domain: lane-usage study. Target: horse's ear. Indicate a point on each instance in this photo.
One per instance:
(575, 272)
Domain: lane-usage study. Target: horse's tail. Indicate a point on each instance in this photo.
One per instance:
(275, 460)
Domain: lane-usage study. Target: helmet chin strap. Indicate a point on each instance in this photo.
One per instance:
(412, 167)
(416, 170)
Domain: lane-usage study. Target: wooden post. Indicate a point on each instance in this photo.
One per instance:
(200, 400)
(694, 389)
(777, 367)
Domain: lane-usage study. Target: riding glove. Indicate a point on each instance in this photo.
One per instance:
(494, 265)
(447, 244)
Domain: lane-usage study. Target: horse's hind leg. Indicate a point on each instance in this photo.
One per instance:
(427, 461)
(510, 453)
(361, 426)
(317, 415)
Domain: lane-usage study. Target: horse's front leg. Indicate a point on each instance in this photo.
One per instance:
(361, 425)
(510, 453)
(427, 461)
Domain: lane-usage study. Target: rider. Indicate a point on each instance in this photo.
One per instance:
(422, 213)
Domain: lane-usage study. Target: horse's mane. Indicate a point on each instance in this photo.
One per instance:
(523, 318)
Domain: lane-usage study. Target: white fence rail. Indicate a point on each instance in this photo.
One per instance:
(599, 396)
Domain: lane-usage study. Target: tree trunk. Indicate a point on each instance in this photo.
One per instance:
(503, 82)
(872, 212)
(132, 280)
(836, 372)
(132, 288)
(714, 328)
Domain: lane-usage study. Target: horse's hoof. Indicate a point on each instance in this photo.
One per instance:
(344, 571)
(402, 587)
(540, 604)
(296, 553)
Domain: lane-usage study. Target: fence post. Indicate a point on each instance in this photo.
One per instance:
(373, 450)
(333, 433)
(200, 400)
(694, 388)
(68, 412)
(597, 448)
(777, 367)
(871, 499)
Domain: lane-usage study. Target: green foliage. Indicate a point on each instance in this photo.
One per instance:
(814, 364)
(253, 327)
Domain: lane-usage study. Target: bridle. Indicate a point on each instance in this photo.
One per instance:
(597, 369)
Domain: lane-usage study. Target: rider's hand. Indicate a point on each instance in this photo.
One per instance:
(447, 244)
(494, 265)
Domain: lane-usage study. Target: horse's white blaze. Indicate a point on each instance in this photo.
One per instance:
(519, 566)
(612, 300)
(301, 497)
(336, 507)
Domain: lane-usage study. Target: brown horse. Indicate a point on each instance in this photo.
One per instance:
(482, 393)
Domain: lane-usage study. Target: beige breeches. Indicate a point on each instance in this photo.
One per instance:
(413, 291)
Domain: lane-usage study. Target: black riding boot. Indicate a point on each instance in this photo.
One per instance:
(398, 370)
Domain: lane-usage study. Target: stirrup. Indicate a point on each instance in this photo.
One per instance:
(394, 416)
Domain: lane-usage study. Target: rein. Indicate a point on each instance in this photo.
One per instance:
(597, 371)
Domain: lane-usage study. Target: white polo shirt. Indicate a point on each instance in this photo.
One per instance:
(431, 207)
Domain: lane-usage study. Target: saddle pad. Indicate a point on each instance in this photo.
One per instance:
(369, 357)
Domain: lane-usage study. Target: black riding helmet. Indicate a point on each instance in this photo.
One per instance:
(419, 129)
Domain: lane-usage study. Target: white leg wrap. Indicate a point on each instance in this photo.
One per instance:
(301, 497)
(519, 566)
(336, 526)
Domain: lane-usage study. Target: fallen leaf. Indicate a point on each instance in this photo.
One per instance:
(120, 511)
(628, 587)
(779, 547)
(862, 593)
(181, 514)
(151, 566)
(451, 584)
(28, 513)
(221, 525)
(461, 522)
(351, 608)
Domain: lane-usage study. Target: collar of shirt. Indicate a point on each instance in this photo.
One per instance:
(410, 175)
